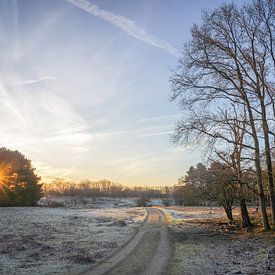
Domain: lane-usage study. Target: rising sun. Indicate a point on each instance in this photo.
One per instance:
(5, 175)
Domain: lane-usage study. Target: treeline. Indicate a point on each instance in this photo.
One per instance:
(218, 184)
(224, 85)
(102, 188)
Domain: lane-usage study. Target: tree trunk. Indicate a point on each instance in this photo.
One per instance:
(261, 192)
(244, 213)
(268, 162)
(228, 212)
(258, 168)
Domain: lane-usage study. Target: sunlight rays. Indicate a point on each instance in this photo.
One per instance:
(6, 179)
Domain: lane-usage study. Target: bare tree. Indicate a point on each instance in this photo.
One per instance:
(258, 24)
(228, 60)
(234, 159)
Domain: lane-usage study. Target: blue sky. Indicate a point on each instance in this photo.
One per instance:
(85, 84)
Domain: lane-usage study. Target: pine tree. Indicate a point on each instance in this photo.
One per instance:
(19, 185)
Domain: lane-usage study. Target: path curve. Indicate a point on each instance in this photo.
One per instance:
(147, 253)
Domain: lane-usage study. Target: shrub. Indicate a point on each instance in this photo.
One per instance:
(143, 202)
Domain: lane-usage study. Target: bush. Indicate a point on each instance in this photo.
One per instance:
(56, 204)
(143, 202)
(167, 201)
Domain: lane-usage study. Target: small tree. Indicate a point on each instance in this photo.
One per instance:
(190, 197)
(178, 193)
(19, 185)
(143, 202)
(221, 187)
(214, 184)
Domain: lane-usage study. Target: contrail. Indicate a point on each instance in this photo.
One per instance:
(126, 25)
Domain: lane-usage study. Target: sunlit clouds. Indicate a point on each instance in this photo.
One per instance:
(84, 89)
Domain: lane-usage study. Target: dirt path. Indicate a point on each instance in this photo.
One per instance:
(147, 253)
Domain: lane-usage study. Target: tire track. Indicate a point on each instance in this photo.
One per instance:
(147, 253)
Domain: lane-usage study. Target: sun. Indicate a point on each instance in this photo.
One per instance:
(5, 175)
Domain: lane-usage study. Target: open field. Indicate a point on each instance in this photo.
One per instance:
(62, 241)
(96, 203)
(69, 241)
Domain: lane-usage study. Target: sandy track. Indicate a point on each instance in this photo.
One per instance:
(148, 251)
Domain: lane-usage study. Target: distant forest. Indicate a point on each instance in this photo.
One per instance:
(102, 188)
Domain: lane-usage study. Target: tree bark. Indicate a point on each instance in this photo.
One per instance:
(266, 225)
(268, 162)
(244, 213)
(228, 212)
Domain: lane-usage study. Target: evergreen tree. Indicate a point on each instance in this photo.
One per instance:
(19, 185)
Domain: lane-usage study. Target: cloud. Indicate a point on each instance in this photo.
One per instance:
(137, 132)
(158, 118)
(126, 25)
(40, 122)
(157, 134)
(32, 81)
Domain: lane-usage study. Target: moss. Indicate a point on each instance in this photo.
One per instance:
(261, 256)
(185, 254)
(186, 258)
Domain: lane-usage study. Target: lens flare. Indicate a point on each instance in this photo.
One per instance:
(7, 178)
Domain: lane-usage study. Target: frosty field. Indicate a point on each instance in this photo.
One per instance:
(201, 247)
(193, 213)
(42, 240)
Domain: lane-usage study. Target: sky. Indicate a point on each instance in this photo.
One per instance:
(84, 87)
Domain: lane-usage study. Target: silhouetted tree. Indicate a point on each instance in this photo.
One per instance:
(178, 193)
(214, 184)
(19, 185)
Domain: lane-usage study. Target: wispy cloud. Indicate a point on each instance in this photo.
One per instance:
(158, 118)
(157, 134)
(31, 81)
(126, 25)
(138, 132)
(41, 122)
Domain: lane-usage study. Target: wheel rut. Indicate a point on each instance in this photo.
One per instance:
(146, 253)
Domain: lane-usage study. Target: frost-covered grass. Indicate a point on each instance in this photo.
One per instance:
(194, 213)
(42, 240)
(200, 250)
(80, 202)
(200, 247)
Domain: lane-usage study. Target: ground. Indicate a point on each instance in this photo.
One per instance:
(148, 253)
(118, 240)
(62, 241)
(202, 246)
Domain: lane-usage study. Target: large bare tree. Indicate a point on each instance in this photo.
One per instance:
(230, 59)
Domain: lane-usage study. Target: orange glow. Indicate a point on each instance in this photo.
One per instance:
(5, 177)
(7, 183)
